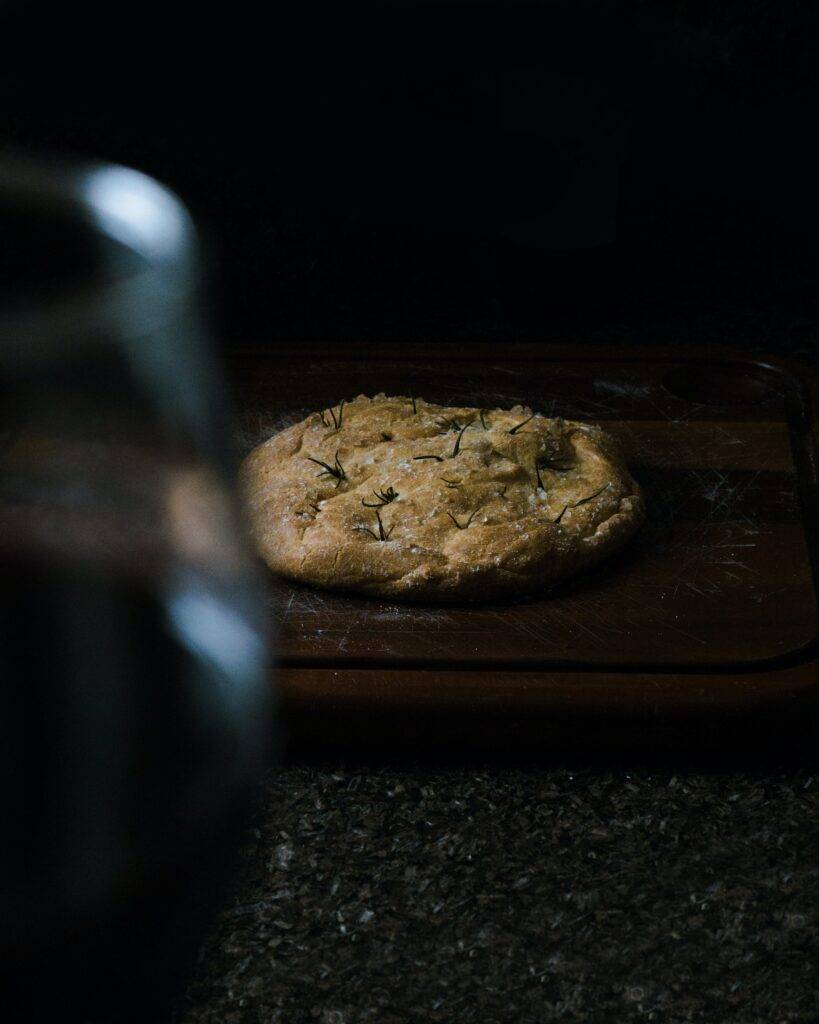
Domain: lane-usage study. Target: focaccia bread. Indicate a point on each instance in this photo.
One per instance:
(398, 497)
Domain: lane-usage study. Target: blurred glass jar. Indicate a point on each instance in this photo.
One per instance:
(136, 706)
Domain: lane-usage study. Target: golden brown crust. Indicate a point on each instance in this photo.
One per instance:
(426, 502)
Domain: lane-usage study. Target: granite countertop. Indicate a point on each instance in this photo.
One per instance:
(493, 894)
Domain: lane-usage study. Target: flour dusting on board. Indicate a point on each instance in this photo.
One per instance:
(622, 388)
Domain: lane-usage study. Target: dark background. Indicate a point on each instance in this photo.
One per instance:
(633, 173)
(457, 170)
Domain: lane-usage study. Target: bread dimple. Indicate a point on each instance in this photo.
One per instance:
(399, 497)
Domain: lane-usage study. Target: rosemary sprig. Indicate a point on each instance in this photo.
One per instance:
(453, 424)
(466, 524)
(539, 486)
(315, 508)
(418, 458)
(559, 465)
(382, 533)
(384, 498)
(336, 419)
(448, 424)
(523, 423)
(336, 471)
(457, 447)
(412, 399)
(583, 501)
(555, 465)
(483, 421)
(450, 483)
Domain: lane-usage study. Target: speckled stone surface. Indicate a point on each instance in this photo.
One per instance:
(494, 894)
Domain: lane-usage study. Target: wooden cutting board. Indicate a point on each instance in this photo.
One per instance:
(701, 634)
